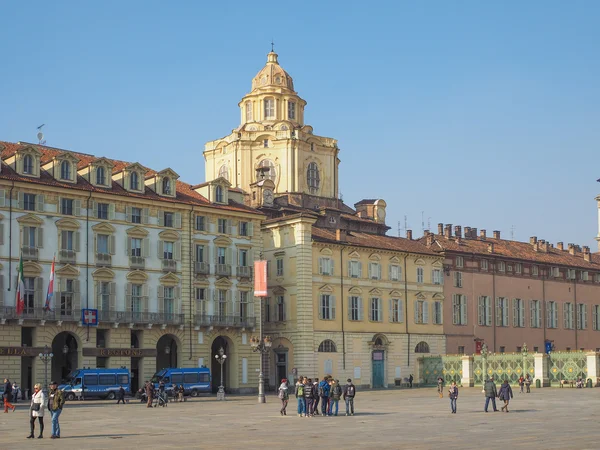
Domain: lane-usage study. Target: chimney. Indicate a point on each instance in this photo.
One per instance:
(496, 234)
(467, 232)
(448, 231)
(533, 240)
(458, 231)
(572, 249)
(490, 247)
(482, 235)
(340, 235)
(543, 246)
(430, 238)
(409, 234)
(474, 233)
(440, 228)
(586, 254)
(458, 239)
(560, 246)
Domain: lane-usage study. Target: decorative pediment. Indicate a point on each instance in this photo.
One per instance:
(279, 253)
(395, 260)
(30, 149)
(169, 235)
(102, 161)
(244, 286)
(103, 227)
(103, 274)
(326, 251)
(395, 293)
(201, 283)
(30, 219)
(32, 269)
(420, 296)
(355, 290)
(67, 271)
(168, 172)
(354, 255)
(137, 276)
(326, 288)
(223, 282)
(67, 224)
(420, 262)
(223, 241)
(374, 257)
(438, 265)
(67, 156)
(278, 290)
(136, 167)
(438, 296)
(375, 292)
(222, 181)
(169, 279)
(137, 232)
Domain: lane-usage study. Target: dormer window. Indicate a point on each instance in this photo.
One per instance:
(101, 176)
(166, 186)
(134, 181)
(28, 165)
(219, 194)
(65, 170)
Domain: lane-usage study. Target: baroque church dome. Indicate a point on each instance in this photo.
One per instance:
(272, 75)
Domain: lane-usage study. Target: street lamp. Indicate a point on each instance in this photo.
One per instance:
(46, 357)
(221, 357)
(262, 347)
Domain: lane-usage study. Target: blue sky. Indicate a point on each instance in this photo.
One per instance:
(483, 114)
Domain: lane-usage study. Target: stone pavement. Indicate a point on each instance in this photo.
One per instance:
(549, 418)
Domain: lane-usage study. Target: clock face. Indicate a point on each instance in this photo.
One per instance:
(268, 197)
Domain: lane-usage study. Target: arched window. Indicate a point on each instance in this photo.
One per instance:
(313, 178)
(219, 194)
(166, 186)
(378, 342)
(327, 346)
(28, 164)
(100, 176)
(270, 174)
(224, 172)
(134, 181)
(65, 170)
(422, 347)
(248, 111)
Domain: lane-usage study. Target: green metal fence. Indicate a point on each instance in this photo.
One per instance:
(566, 366)
(449, 367)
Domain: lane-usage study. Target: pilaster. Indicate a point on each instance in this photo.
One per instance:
(593, 367)
(541, 368)
(467, 379)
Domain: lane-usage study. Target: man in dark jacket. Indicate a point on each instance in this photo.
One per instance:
(324, 388)
(308, 396)
(121, 395)
(490, 394)
(56, 401)
(316, 395)
(349, 394)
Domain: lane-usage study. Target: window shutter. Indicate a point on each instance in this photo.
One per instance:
(531, 314)
(390, 271)
(160, 248)
(40, 237)
(1, 233)
(39, 199)
(228, 226)
(321, 266)
(538, 308)
(584, 325)
(481, 311)
(77, 207)
(2, 198)
(595, 317)
(555, 314)
(359, 269)
(145, 214)
(391, 310)
(400, 311)
(94, 209)
(24, 236)
(60, 205)
(416, 311)
(228, 256)
(161, 298)
(370, 265)
(76, 241)
(425, 312)
(332, 297)
(177, 306)
(330, 263)
(515, 313)
(463, 310)
(128, 213)
(565, 316)
(522, 313)
(38, 295)
(505, 307)
(161, 218)
(112, 302)
(177, 250)
(128, 290)
(498, 312)
(127, 245)
(20, 200)
(145, 298)
(111, 211)
(441, 314)
(145, 247)
(111, 244)
(76, 296)
(250, 229)
(548, 314)
(321, 306)
(1, 290)
(349, 268)
(177, 220)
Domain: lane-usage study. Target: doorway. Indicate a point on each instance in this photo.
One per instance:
(281, 367)
(215, 367)
(378, 381)
(66, 356)
(166, 352)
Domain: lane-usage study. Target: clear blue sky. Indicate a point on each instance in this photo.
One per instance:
(483, 114)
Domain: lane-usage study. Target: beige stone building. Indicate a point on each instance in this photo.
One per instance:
(167, 265)
(344, 298)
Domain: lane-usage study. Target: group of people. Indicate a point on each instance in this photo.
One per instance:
(160, 394)
(525, 382)
(310, 392)
(39, 403)
(489, 389)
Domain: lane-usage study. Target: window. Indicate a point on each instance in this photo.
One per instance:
(437, 313)
(422, 347)
(248, 111)
(134, 181)
(596, 317)
(244, 229)
(65, 170)
(100, 176)
(224, 172)
(460, 261)
(459, 309)
(325, 266)
(396, 310)
(292, 110)
(395, 272)
(265, 143)
(501, 266)
(31, 237)
(327, 307)
(374, 271)
(66, 298)
(597, 278)
(107, 380)
(375, 312)
(313, 178)
(535, 270)
(327, 346)
(136, 247)
(28, 164)
(219, 194)
(485, 311)
(168, 219)
(458, 279)
(268, 309)
(102, 211)
(584, 275)
(436, 276)
(169, 301)
(66, 206)
(312, 147)
(200, 223)
(166, 186)
(421, 311)
(519, 268)
(168, 250)
(484, 264)
(535, 311)
(581, 316)
(356, 310)
(571, 274)
(518, 313)
(269, 108)
(136, 215)
(420, 275)
(502, 312)
(190, 377)
(354, 269)
(243, 257)
(221, 255)
(568, 316)
(502, 349)
(552, 314)
(554, 272)
(279, 262)
(509, 267)
(122, 379)
(67, 241)
(222, 226)
(102, 244)
(136, 298)
(29, 285)
(29, 202)
(280, 308)
(90, 380)
(271, 174)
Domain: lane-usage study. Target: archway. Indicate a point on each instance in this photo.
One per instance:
(215, 367)
(66, 356)
(166, 352)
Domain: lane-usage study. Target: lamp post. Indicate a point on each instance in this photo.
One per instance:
(262, 346)
(46, 357)
(221, 357)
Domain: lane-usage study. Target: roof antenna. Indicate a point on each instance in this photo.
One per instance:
(40, 135)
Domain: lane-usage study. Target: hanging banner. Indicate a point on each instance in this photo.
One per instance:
(260, 278)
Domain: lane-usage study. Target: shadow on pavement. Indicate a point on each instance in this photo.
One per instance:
(112, 436)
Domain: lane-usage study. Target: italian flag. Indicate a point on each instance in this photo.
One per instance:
(20, 289)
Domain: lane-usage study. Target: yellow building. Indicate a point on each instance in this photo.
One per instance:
(344, 298)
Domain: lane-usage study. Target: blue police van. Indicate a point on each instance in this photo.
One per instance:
(96, 383)
(194, 380)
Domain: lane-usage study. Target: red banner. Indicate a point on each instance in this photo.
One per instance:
(478, 347)
(260, 278)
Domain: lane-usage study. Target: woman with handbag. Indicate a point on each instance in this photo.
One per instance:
(36, 410)
(505, 394)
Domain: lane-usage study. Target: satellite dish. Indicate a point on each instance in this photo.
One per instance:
(40, 136)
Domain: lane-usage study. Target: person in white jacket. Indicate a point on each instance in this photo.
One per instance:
(36, 410)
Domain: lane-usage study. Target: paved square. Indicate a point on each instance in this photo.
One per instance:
(548, 418)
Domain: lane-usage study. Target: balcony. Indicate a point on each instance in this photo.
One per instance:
(223, 270)
(201, 268)
(137, 262)
(169, 265)
(103, 260)
(62, 315)
(205, 320)
(113, 316)
(66, 256)
(244, 271)
(30, 253)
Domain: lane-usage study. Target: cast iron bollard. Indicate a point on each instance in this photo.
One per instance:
(589, 383)
(538, 384)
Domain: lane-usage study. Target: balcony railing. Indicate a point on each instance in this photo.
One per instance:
(113, 316)
(64, 315)
(30, 253)
(169, 265)
(137, 262)
(244, 271)
(224, 321)
(103, 260)
(201, 268)
(223, 270)
(67, 256)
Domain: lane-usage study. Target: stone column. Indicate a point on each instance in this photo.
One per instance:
(593, 367)
(541, 368)
(467, 379)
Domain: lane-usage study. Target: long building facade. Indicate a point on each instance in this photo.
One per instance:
(167, 265)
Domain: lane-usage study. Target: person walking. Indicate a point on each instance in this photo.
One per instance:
(121, 395)
(490, 394)
(440, 386)
(149, 392)
(335, 394)
(521, 383)
(56, 401)
(323, 392)
(349, 394)
(283, 396)
(453, 394)
(410, 380)
(505, 394)
(309, 397)
(36, 411)
(528, 383)
(300, 396)
(8, 395)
